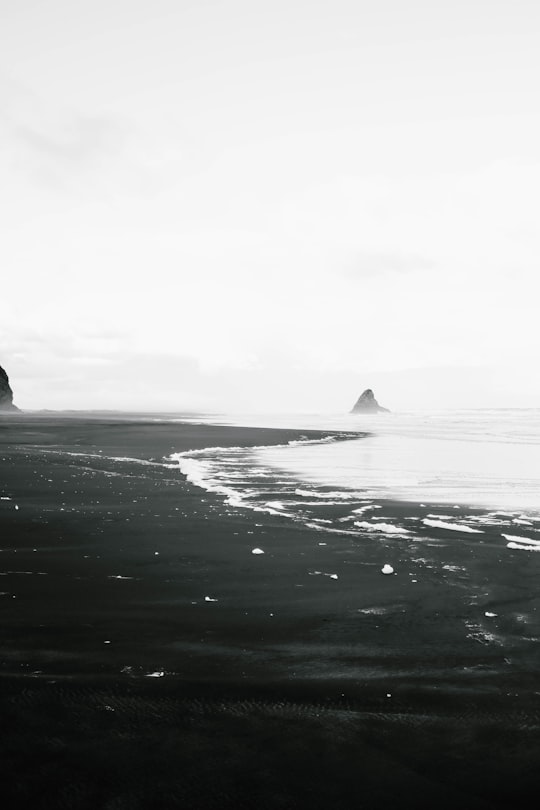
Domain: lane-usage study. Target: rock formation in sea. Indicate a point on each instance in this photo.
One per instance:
(6, 394)
(366, 403)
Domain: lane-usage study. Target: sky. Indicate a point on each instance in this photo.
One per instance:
(270, 206)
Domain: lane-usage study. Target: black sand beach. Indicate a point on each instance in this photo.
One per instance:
(149, 660)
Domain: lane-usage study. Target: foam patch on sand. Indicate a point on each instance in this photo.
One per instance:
(478, 633)
(23, 573)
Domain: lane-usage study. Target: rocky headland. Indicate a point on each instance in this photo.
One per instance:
(366, 403)
(6, 394)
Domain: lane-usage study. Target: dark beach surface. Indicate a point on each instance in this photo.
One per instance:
(150, 660)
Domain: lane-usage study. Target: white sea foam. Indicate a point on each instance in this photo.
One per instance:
(367, 508)
(226, 471)
(485, 520)
(320, 528)
(516, 541)
(520, 539)
(336, 495)
(242, 449)
(455, 527)
(386, 528)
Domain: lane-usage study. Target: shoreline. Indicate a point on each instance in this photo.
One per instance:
(111, 564)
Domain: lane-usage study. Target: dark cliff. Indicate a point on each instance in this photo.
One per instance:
(6, 394)
(366, 403)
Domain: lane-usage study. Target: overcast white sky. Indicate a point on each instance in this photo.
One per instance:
(270, 205)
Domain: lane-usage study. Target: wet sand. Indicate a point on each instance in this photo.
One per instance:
(149, 659)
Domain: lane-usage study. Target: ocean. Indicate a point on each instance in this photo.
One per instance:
(483, 465)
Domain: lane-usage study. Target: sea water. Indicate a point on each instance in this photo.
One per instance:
(485, 458)
(467, 460)
(481, 458)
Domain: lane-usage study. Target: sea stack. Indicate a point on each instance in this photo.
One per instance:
(6, 394)
(366, 403)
